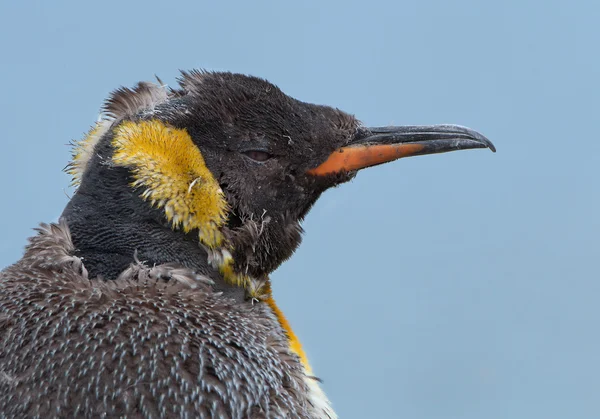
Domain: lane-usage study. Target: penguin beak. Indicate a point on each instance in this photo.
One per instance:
(373, 146)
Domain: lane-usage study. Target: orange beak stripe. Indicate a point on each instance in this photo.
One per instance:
(350, 158)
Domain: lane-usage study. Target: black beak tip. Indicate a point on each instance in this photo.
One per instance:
(484, 140)
(477, 136)
(485, 143)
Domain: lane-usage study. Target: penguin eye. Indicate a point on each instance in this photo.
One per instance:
(258, 155)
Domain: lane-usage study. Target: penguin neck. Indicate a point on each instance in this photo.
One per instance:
(111, 226)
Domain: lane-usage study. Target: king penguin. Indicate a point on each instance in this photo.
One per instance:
(151, 297)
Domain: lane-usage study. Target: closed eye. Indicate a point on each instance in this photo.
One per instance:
(258, 155)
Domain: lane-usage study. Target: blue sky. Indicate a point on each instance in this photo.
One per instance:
(461, 285)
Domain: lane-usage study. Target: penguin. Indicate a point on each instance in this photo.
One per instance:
(151, 296)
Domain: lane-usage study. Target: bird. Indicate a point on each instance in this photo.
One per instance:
(151, 295)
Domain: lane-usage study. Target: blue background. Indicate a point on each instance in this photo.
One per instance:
(462, 285)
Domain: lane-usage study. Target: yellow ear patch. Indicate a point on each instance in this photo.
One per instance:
(169, 166)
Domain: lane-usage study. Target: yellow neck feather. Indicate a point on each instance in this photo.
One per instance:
(294, 342)
(84, 149)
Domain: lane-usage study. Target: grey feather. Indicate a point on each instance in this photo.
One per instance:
(125, 102)
(138, 346)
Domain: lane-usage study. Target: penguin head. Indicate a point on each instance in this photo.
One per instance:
(235, 160)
